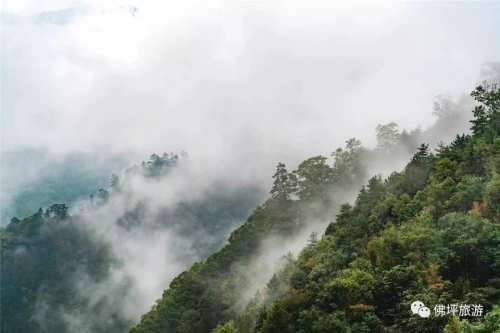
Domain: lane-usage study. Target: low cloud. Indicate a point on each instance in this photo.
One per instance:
(240, 86)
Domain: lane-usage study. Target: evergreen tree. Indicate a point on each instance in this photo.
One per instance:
(57, 210)
(173, 157)
(487, 115)
(281, 185)
(277, 320)
(480, 121)
(115, 181)
(261, 317)
(417, 171)
(272, 287)
(103, 195)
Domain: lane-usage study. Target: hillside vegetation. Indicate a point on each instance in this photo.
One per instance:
(430, 232)
(50, 258)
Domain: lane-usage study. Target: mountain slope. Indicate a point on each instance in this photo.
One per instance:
(63, 273)
(428, 233)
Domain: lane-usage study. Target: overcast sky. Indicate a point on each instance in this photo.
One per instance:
(250, 83)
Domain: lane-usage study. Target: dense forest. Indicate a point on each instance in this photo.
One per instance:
(46, 254)
(429, 232)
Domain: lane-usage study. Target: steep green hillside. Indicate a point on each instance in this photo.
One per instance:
(49, 257)
(430, 233)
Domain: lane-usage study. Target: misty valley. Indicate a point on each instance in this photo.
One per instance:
(289, 211)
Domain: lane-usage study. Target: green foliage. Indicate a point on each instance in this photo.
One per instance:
(350, 287)
(430, 232)
(416, 173)
(226, 328)
(453, 326)
(387, 137)
(57, 210)
(40, 255)
(349, 165)
(314, 179)
(467, 191)
(312, 321)
(281, 187)
(44, 253)
(427, 233)
(277, 320)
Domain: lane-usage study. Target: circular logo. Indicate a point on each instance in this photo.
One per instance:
(424, 312)
(415, 306)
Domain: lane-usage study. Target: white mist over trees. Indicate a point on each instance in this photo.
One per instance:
(249, 90)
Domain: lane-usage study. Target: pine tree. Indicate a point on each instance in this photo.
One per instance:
(280, 188)
(103, 195)
(272, 287)
(57, 210)
(487, 115)
(261, 317)
(480, 121)
(417, 171)
(115, 181)
(421, 155)
(460, 141)
(277, 321)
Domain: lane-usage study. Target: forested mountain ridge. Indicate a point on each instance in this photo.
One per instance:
(430, 232)
(48, 178)
(50, 259)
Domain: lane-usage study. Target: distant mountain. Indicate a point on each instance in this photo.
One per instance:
(33, 179)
